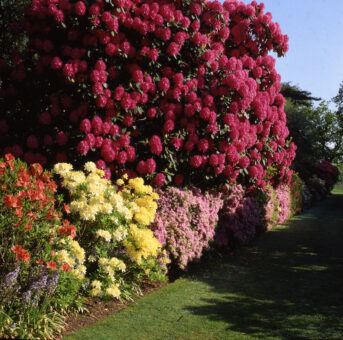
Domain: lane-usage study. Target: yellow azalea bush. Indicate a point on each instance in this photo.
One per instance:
(112, 225)
(141, 244)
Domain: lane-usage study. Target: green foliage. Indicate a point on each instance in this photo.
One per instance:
(12, 38)
(338, 99)
(340, 168)
(296, 188)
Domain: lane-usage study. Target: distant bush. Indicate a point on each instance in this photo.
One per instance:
(328, 172)
(318, 188)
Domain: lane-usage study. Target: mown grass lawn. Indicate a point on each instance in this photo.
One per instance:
(288, 286)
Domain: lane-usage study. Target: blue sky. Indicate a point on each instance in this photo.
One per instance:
(315, 58)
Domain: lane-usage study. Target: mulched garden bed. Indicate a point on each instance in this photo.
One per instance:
(98, 309)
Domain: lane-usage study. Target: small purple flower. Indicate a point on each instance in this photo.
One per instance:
(27, 296)
(40, 284)
(52, 283)
(10, 278)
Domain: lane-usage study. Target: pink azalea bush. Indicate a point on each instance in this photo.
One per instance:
(174, 91)
(277, 205)
(185, 222)
(270, 208)
(283, 200)
(239, 218)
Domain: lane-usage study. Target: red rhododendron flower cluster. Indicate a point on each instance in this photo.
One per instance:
(185, 85)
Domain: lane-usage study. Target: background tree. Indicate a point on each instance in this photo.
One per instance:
(316, 130)
(296, 95)
(338, 99)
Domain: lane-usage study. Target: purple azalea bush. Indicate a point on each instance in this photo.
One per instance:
(239, 218)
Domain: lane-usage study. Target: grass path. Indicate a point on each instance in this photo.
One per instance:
(289, 286)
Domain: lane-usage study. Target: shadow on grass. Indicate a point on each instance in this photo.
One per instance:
(289, 286)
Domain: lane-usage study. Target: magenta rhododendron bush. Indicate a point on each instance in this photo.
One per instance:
(174, 91)
(328, 172)
(185, 222)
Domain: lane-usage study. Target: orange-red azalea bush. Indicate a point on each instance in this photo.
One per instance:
(33, 236)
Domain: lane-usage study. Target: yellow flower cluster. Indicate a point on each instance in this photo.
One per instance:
(96, 287)
(143, 245)
(129, 210)
(79, 271)
(113, 290)
(119, 234)
(93, 200)
(137, 201)
(143, 201)
(109, 266)
(75, 257)
(77, 251)
(106, 235)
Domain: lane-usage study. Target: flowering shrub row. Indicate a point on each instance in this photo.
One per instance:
(214, 114)
(243, 216)
(239, 216)
(115, 235)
